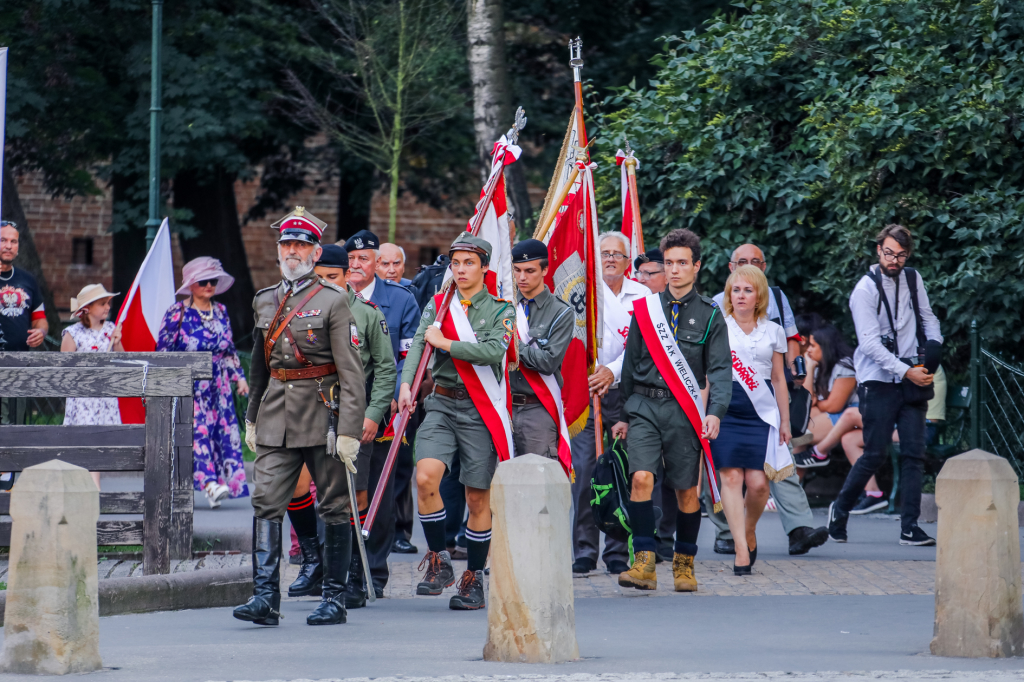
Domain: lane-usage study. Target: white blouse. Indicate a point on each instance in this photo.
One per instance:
(766, 339)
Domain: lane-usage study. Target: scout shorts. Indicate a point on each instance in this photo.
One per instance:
(454, 428)
(659, 429)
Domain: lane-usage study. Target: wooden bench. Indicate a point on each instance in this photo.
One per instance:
(161, 449)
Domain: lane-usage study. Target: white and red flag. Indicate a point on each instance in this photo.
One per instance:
(631, 227)
(495, 225)
(143, 309)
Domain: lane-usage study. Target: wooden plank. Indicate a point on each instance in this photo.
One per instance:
(157, 484)
(107, 533)
(199, 363)
(182, 498)
(94, 382)
(131, 434)
(110, 503)
(93, 458)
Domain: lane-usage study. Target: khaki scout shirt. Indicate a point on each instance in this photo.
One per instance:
(703, 338)
(291, 414)
(493, 320)
(551, 326)
(376, 356)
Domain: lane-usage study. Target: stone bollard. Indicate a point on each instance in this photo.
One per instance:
(52, 620)
(530, 612)
(978, 611)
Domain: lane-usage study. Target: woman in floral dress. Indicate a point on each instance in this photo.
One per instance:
(91, 334)
(200, 324)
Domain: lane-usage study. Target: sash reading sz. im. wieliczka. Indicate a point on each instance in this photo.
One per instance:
(778, 462)
(675, 370)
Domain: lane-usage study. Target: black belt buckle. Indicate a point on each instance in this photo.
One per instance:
(519, 399)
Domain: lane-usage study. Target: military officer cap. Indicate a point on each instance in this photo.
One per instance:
(528, 250)
(649, 256)
(300, 225)
(467, 242)
(333, 256)
(363, 239)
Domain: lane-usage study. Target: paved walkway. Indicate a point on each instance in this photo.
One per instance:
(830, 676)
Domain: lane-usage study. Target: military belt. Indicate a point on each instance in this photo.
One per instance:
(457, 393)
(525, 399)
(651, 392)
(314, 372)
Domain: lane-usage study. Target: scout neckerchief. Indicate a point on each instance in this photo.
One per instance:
(547, 390)
(778, 463)
(490, 397)
(675, 370)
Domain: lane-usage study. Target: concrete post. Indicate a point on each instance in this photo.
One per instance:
(978, 610)
(530, 614)
(51, 623)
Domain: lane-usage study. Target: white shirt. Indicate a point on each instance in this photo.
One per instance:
(367, 293)
(788, 320)
(871, 360)
(610, 354)
(761, 344)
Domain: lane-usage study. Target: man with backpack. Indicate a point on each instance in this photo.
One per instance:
(789, 496)
(899, 346)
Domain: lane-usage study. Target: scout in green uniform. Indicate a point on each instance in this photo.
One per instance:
(658, 429)
(304, 344)
(378, 364)
(551, 323)
(453, 427)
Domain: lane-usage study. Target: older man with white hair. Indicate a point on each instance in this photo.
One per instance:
(391, 264)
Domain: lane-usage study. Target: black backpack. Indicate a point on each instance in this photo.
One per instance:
(428, 281)
(610, 491)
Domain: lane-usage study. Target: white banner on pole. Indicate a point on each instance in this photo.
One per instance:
(3, 118)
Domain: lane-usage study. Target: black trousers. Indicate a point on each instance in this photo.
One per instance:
(405, 509)
(382, 535)
(881, 407)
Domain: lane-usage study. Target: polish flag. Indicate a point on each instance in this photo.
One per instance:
(152, 293)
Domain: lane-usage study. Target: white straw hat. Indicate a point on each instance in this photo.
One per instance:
(90, 293)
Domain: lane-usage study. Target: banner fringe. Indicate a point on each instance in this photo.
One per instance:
(781, 475)
(581, 423)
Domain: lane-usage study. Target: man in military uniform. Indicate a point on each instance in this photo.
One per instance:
(550, 322)
(378, 364)
(305, 342)
(659, 428)
(453, 426)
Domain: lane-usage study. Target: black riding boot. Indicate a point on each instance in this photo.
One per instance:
(355, 587)
(264, 607)
(311, 574)
(337, 555)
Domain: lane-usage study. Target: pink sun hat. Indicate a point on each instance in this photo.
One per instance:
(201, 269)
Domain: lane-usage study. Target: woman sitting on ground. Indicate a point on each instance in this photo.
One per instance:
(833, 385)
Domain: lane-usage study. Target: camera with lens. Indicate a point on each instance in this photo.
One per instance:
(799, 368)
(889, 343)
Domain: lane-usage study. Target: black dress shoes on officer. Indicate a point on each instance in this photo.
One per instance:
(440, 573)
(311, 573)
(403, 546)
(724, 546)
(264, 607)
(471, 592)
(337, 555)
(355, 588)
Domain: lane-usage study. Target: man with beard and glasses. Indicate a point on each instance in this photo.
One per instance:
(306, 346)
(899, 347)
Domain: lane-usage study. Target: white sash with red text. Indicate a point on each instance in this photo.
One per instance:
(489, 396)
(675, 370)
(547, 390)
(778, 462)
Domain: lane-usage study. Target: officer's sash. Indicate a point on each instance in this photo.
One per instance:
(675, 370)
(778, 462)
(547, 390)
(490, 397)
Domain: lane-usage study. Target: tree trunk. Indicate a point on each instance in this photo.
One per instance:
(492, 104)
(129, 244)
(28, 256)
(215, 217)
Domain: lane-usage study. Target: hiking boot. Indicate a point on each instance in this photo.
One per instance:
(642, 576)
(264, 606)
(471, 592)
(439, 575)
(337, 557)
(311, 574)
(682, 573)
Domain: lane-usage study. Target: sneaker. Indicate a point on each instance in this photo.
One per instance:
(808, 459)
(215, 492)
(471, 592)
(770, 505)
(583, 565)
(439, 575)
(836, 524)
(6, 481)
(867, 504)
(916, 538)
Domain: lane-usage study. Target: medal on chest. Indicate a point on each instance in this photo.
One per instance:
(310, 336)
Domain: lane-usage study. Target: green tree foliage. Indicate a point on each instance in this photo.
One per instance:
(806, 126)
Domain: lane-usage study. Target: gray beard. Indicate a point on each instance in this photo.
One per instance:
(299, 271)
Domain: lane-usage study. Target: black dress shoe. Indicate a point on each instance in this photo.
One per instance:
(724, 546)
(615, 566)
(740, 570)
(583, 565)
(403, 546)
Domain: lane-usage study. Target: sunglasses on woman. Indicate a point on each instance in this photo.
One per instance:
(207, 283)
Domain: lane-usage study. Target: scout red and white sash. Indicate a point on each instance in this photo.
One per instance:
(675, 370)
(547, 390)
(778, 462)
(489, 396)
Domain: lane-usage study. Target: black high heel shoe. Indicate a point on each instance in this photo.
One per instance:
(740, 570)
(753, 556)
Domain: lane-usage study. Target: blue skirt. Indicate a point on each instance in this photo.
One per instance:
(743, 438)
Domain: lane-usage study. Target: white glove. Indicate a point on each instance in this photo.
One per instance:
(250, 435)
(348, 449)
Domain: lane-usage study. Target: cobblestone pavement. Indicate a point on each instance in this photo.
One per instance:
(827, 676)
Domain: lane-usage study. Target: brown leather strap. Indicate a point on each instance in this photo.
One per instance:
(268, 345)
(314, 372)
(275, 332)
(295, 348)
(457, 393)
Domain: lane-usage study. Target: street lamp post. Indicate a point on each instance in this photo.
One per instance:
(155, 114)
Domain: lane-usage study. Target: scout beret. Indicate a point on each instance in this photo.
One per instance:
(363, 239)
(528, 250)
(300, 225)
(467, 242)
(649, 256)
(333, 256)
